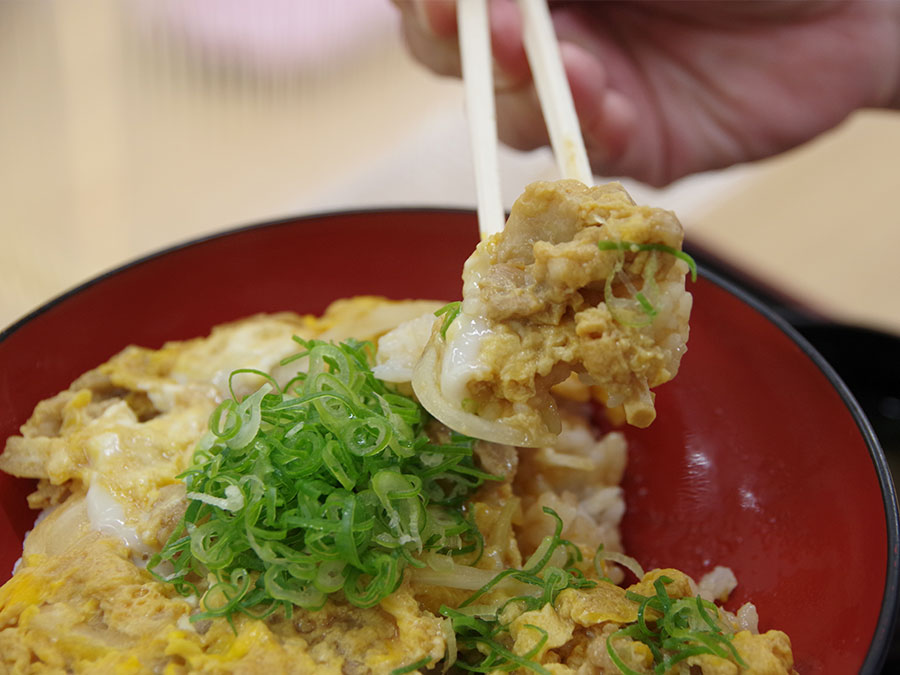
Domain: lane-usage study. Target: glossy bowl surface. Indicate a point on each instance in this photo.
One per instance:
(759, 458)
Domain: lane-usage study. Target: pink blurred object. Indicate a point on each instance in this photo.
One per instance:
(272, 34)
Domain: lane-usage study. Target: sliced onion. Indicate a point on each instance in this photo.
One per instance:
(450, 640)
(426, 384)
(624, 560)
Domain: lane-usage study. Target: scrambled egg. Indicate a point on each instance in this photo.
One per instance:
(107, 450)
(91, 609)
(580, 622)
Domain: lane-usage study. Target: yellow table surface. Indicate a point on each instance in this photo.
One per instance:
(122, 132)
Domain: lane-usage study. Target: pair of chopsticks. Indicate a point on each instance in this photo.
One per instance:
(553, 91)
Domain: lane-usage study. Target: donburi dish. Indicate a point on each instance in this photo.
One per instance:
(390, 487)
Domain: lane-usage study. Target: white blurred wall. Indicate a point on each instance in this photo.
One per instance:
(130, 125)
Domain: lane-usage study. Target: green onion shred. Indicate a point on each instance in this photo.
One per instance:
(685, 627)
(412, 667)
(327, 484)
(634, 247)
(330, 484)
(449, 311)
(478, 637)
(645, 310)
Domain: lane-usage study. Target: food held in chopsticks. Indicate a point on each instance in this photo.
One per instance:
(582, 280)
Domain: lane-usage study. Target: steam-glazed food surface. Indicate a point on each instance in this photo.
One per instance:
(581, 280)
(504, 573)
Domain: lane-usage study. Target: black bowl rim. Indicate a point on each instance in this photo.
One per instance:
(881, 640)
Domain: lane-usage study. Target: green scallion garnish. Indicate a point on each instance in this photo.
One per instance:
(680, 628)
(327, 484)
(330, 484)
(449, 311)
(412, 667)
(478, 636)
(645, 309)
(634, 247)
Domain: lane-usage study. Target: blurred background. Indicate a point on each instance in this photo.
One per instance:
(131, 125)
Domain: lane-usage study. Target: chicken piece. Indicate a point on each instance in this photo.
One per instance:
(581, 280)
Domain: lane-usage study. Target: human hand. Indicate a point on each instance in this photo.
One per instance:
(664, 89)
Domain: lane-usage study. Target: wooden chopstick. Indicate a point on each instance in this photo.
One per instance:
(553, 91)
(542, 49)
(478, 79)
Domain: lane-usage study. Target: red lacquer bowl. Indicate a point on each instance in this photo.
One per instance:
(759, 458)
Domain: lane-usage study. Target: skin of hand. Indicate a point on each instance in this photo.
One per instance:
(665, 89)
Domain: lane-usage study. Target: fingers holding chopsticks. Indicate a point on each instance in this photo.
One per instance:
(606, 116)
(665, 89)
(431, 33)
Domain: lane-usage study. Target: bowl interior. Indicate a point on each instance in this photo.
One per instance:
(756, 461)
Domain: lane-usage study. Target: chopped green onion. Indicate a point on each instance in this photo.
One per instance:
(643, 303)
(646, 305)
(331, 485)
(623, 314)
(477, 636)
(449, 311)
(421, 663)
(634, 247)
(328, 484)
(685, 627)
